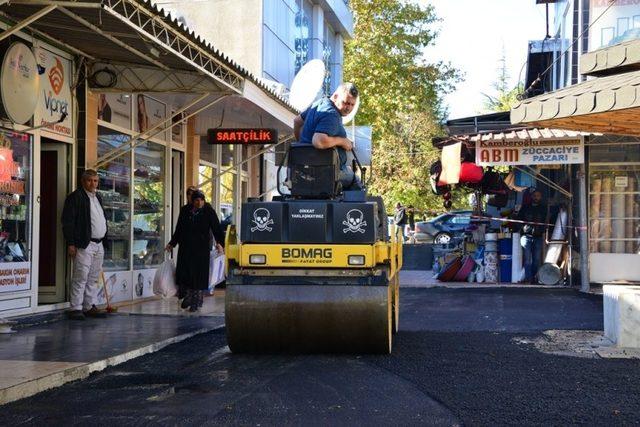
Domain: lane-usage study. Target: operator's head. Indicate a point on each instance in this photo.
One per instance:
(345, 98)
(536, 197)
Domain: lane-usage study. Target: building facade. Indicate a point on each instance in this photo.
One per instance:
(136, 109)
(585, 94)
(273, 39)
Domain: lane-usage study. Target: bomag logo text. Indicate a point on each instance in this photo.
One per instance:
(307, 256)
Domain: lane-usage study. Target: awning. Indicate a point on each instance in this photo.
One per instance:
(528, 135)
(148, 50)
(606, 104)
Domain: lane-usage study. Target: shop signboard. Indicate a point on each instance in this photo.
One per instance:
(55, 100)
(19, 83)
(115, 108)
(149, 112)
(14, 276)
(512, 153)
(247, 136)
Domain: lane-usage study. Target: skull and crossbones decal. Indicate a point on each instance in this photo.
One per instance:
(262, 220)
(354, 222)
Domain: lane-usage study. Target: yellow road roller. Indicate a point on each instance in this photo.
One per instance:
(314, 270)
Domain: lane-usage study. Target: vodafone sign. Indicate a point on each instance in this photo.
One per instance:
(19, 83)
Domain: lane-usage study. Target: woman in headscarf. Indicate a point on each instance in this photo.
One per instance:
(193, 233)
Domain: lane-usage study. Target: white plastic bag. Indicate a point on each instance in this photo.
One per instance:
(217, 264)
(164, 281)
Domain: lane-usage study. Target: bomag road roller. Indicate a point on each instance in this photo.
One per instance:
(313, 271)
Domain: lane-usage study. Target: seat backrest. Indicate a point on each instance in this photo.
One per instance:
(313, 173)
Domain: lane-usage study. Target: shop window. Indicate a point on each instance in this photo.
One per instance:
(15, 209)
(208, 152)
(614, 199)
(114, 188)
(227, 197)
(148, 205)
(227, 155)
(206, 182)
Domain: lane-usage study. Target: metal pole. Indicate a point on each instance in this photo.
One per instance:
(584, 242)
(25, 22)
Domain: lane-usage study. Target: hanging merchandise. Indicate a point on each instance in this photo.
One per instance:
(470, 173)
(450, 164)
(492, 183)
(510, 181)
(434, 177)
(524, 179)
(498, 200)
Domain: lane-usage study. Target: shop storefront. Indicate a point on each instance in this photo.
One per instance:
(101, 101)
(502, 171)
(614, 209)
(606, 103)
(37, 140)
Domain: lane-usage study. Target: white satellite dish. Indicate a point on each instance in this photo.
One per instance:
(307, 84)
(346, 119)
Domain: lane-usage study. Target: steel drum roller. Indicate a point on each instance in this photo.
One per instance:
(309, 318)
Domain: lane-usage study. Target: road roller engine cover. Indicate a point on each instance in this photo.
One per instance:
(314, 270)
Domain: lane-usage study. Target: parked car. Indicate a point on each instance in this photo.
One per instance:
(443, 228)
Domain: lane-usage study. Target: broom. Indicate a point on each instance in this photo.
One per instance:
(109, 308)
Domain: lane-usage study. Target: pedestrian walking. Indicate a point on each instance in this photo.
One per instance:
(400, 218)
(84, 226)
(411, 212)
(185, 211)
(194, 231)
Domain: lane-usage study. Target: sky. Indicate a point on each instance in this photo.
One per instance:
(472, 34)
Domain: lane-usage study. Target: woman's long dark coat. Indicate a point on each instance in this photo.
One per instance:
(193, 238)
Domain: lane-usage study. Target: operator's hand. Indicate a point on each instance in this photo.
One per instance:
(168, 248)
(72, 251)
(219, 248)
(347, 145)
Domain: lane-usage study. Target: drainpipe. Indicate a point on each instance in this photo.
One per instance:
(584, 242)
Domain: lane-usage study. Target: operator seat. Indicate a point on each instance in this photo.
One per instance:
(313, 173)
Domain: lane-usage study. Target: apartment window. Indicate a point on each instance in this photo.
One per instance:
(623, 26)
(606, 35)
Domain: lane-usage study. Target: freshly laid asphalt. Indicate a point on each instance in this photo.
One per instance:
(455, 362)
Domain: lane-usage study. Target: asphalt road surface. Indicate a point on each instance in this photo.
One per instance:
(455, 362)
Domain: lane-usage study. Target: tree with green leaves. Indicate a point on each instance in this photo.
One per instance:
(505, 96)
(401, 95)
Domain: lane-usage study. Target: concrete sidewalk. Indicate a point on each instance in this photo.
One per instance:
(47, 355)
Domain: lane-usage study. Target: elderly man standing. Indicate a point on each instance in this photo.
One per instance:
(321, 125)
(85, 226)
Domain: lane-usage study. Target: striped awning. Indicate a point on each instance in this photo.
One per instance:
(524, 135)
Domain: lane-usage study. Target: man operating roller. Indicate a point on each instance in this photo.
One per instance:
(321, 125)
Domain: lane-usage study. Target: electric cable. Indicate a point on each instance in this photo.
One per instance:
(524, 94)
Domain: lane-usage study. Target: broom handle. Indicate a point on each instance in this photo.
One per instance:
(106, 293)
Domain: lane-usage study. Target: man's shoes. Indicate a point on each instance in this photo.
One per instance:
(95, 312)
(75, 315)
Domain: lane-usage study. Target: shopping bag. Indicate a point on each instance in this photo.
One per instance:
(217, 262)
(164, 281)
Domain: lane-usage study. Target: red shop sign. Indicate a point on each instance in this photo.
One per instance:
(242, 136)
